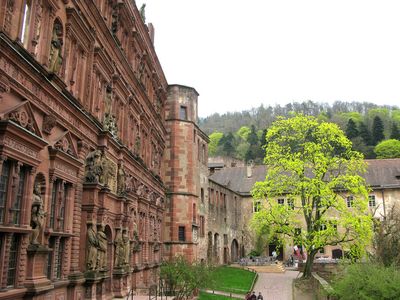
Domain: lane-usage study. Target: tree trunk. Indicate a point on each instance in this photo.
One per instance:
(309, 264)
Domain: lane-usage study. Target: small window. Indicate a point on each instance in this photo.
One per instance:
(202, 226)
(256, 206)
(13, 261)
(4, 188)
(202, 194)
(183, 113)
(371, 201)
(349, 201)
(181, 234)
(281, 201)
(290, 203)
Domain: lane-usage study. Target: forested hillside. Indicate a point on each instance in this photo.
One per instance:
(373, 129)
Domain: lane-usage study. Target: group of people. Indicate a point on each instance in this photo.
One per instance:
(253, 296)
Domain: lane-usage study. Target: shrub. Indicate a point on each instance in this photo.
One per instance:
(366, 281)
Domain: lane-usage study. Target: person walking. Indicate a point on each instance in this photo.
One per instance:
(253, 296)
(260, 296)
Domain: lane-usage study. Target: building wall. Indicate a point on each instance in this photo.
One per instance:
(185, 157)
(82, 136)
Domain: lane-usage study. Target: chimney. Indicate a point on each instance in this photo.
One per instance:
(151, 32)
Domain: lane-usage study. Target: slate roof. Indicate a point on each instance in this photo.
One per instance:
(380, 173)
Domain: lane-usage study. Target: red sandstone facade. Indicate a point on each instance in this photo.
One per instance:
(82, 135)
(185, 158)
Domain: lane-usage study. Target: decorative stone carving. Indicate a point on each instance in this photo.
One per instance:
(119, 249)
(22, 118)
(49, 122)
(37, 24)
(121, 184)
(110, 124)
(64, 145)
(143, 13)
(37, 215)
(140, 190)
(125, 239)
(9, 15)
(94, 166)
(102, 248)
(92, 247)
(56, 59)
(129, 184)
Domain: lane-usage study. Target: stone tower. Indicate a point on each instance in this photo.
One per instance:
(185, 165)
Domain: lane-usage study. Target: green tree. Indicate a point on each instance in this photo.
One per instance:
(182, 278)
(227, 143)
(377, 131)
(388, 149)
(214, 142)
(395, 133)
(351, 129)
(313, 164)
(365, 134)
(243, 132)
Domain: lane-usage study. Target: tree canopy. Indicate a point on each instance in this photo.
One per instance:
(388, 149)
(313, 165)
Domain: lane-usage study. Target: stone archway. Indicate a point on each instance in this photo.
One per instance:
(234, 251)
(209, 247)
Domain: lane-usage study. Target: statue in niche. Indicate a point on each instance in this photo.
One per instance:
(92, 246)
(121, 184)
(108, 100)
(143, 13)
(129, 183)
(138, 144)
(94, 166)
(125, 239)
(102, 248)
(55, 60)
(37, 215)
(140, 190)
(119, 250)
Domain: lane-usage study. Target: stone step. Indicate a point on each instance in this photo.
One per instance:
(273, 268)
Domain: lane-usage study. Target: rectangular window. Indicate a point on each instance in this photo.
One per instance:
(12, 261)
(256, 206)
(5, 174)
(290, 203)
(202, 195)
(202, 226)
(50, 263)
(16, 208)
(54, 193)
(59, 258)
(181, 234)
(371, 201)
(281, 201)
(183, 113)
(225, 239)
(349, 201)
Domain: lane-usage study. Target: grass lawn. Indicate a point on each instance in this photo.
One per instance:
(232, 280)
(206, 296)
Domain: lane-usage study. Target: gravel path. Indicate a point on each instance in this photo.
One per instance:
(275, 286)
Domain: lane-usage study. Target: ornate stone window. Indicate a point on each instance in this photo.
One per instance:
(26, 21)
(12, 260)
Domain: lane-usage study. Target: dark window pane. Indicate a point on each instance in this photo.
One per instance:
(5, 173)
(12, 262)
(181, 234)
(183, 113)
(20, 193)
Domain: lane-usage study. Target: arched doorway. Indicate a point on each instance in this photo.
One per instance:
(216, 248)
(234, 251)
(209, 247)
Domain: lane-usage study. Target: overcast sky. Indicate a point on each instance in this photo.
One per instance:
(239, 54)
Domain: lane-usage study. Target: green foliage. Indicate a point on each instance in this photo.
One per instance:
(207, 296)
(395, 132)
(388, 149)
(311, 162)
(182, 278)
(243, 133)
(215, 137)
(368, 281)
(233, 280)
(351, 129)
(387, 238)
(365, 134)
(377, 130)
